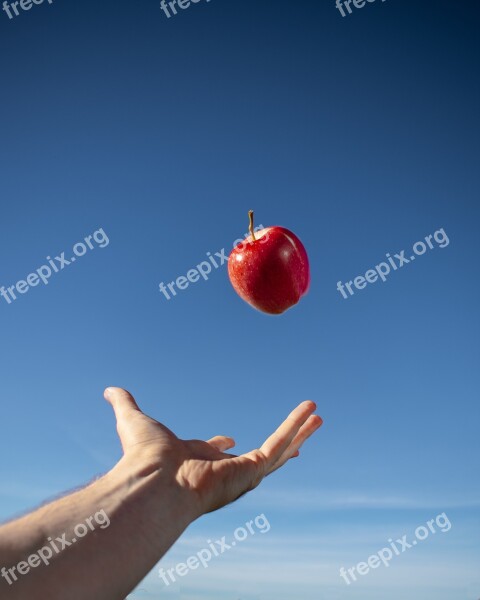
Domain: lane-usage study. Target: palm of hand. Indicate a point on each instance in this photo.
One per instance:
(202, 468)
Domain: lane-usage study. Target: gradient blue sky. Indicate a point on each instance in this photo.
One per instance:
(361, 135)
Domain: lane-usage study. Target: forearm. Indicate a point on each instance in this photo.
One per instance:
(63, 552)
(145, 515)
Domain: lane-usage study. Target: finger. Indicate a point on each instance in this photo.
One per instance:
(221, 443)
(279, 441)
(122, 401)
(311, 425)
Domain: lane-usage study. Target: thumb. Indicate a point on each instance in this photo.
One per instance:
(133, 426)
(124, 406)
(123, 403)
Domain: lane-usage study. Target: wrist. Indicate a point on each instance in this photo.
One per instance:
(140, 482)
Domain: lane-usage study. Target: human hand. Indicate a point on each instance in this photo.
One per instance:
(208, 476)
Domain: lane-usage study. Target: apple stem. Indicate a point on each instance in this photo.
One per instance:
(250, 216)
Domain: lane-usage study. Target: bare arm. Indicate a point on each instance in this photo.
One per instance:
(126, 521)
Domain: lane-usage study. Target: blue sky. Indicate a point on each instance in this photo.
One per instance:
(361, 135)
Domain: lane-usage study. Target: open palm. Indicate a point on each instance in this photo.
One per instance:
(203, 468)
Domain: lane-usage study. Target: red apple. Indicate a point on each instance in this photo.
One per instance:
(270, 269)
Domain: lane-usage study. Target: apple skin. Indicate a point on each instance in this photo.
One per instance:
(272, 272)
